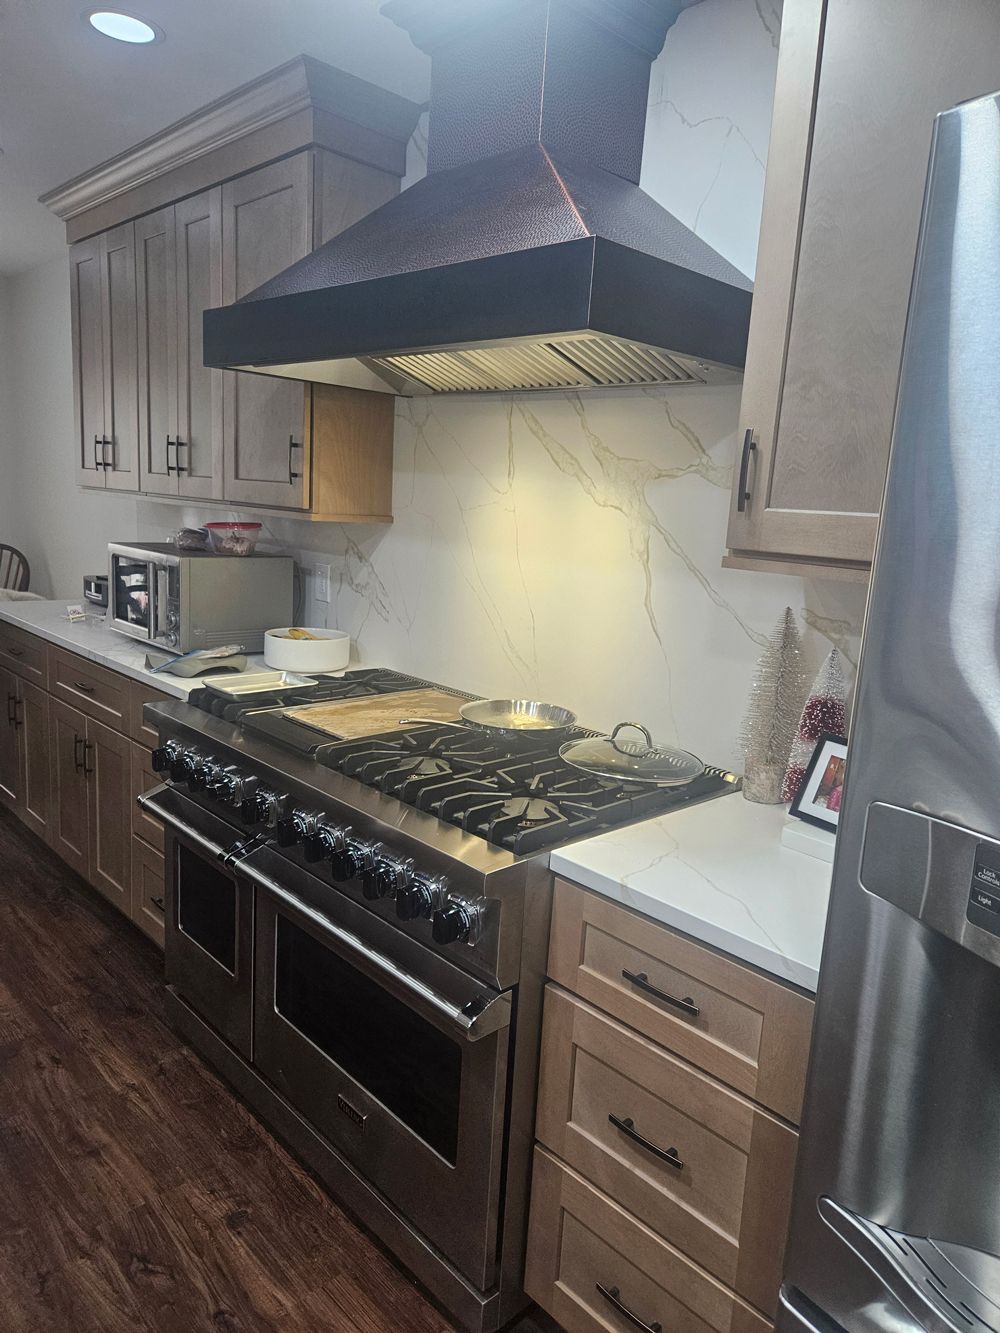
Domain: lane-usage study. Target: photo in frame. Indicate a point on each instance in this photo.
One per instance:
(819, 796)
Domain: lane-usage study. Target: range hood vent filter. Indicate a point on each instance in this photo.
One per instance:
(586, 362)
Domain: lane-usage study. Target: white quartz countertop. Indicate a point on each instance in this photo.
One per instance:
(93, 639)
(718, 872)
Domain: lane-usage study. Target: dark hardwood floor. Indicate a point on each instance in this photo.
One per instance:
(136, 1192)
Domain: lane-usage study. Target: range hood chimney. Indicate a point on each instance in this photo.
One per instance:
(528, 257)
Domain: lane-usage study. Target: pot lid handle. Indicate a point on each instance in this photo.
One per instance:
(638, 727)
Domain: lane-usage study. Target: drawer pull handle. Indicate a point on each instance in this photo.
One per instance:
(83, 688)
(743, 490)
(668, 1155)
(613, 1296)
(687, 1005)
(157, 903)
(15, 652)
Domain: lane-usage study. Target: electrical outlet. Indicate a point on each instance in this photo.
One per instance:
(321, 583)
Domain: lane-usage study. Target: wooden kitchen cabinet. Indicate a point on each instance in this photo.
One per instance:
(69, 834)
(267, 224)
(9, 768)
(858, 86)
(661, 1171)
(24, 752)
(91, 792)
(105, 370)
(179, 275)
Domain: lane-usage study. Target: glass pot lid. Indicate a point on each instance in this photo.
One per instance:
(631, 760)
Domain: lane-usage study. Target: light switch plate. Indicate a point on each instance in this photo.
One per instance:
(321, 583)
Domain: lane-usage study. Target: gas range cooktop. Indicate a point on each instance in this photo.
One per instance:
(520, 796)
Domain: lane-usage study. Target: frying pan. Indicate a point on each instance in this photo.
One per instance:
(511, 719)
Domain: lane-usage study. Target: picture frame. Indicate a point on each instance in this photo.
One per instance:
(819, 795)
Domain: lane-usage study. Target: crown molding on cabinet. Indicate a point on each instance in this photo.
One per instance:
(300, 103)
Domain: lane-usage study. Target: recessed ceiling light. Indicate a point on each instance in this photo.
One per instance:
(123, 27)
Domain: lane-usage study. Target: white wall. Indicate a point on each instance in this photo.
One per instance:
(62, 530)
(563, 546)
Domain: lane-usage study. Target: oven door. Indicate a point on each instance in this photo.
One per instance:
(132, 592)
(208, 943)
(397, 1057)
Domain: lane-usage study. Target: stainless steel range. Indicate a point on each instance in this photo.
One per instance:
(356, 936)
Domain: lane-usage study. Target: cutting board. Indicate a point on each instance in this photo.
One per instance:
(349, 718)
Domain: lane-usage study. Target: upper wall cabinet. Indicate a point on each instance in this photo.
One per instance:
(103, 314)
(198, 217)
(857, 90)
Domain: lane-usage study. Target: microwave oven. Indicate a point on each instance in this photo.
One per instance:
(181, 600)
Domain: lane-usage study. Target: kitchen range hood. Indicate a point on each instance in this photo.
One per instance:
(528, 257)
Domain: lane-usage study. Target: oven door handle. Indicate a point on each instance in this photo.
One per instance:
(477, 1019)
(147, 801)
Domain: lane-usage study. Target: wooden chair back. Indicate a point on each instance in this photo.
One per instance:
(15, 574)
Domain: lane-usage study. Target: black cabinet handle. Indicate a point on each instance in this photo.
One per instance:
(104, 444)
(170, 444)
(292, 445)
(83, 687)
(743, 493)
(15, 652)
(98, 461)
(179, 444)
(687, 1005)
(627, 1127)
(87, 747)
(11, 706)
(78, 754)
(18, 717)
(157, 903)
(614, 1297)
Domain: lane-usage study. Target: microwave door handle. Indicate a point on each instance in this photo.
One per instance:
(160, 601)
(492, 1017)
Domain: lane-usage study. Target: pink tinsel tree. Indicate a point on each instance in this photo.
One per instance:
(825, 710)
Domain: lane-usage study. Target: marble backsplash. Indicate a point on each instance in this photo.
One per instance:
(568, 547)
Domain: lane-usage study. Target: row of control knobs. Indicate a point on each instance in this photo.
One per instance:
(382, 874)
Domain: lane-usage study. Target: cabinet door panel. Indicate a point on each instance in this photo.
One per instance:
(9, 768)
(199, 389)
(88, 359)
(156, 295)
(109, 788)
(68, 818)
(266, 225)
(829, 316)
(147, 890)
(121, 398)
(33, 757)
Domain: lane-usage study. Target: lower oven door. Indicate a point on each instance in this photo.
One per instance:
(397, 1057)
(208, 945)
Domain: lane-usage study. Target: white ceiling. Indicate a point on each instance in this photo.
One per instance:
(70, 98)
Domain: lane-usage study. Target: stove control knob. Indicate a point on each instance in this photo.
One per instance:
(270, 808)
(420, 896)
(324, 841)
(202, 774)
(348, 859)
(455, 923)
(385, 877)
(243, 795)
(164, 755)
(220, 784)
(183, 764)
(287, 833)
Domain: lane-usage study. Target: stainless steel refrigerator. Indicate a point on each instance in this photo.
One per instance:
(896, 1221)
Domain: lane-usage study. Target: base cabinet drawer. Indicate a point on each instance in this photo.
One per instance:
(144, 826)
(96, 691)
(697, 1162)
(597, 1269)
(750, 1032)
(147, 890)
(23, 653)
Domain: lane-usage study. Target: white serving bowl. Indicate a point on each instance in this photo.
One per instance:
(329, 651)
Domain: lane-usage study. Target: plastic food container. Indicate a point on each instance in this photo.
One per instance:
(233, 538)
(329, 650)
